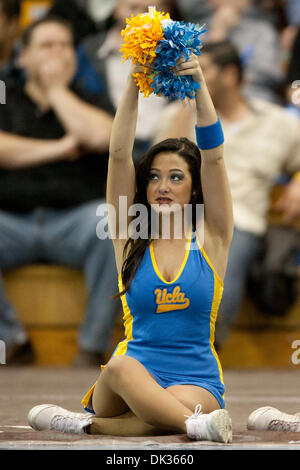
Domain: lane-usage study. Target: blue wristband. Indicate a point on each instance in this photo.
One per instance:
(210, 137)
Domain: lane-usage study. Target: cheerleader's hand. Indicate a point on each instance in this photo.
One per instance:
(190, 67)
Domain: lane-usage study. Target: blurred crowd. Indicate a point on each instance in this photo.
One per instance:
(64, 76)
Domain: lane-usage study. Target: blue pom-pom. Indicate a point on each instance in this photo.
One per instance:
(180, 40)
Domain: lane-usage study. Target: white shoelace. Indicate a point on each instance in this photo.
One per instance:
(197, 412)
(73, 424)
(196, 428)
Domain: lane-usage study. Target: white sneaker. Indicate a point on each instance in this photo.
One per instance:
(271, 419)
(52, 417)
(215, 426)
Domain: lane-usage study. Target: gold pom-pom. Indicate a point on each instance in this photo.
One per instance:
(141, 36)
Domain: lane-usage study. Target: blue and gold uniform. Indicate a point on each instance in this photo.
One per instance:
(170, 326)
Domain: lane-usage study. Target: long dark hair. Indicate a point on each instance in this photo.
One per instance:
(134, 249)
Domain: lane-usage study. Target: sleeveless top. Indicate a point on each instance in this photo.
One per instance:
(170, 326)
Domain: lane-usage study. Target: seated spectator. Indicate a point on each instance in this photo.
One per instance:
(103, 50)
(255, 155)
(54, 140)
(256, 40)
(9, 31)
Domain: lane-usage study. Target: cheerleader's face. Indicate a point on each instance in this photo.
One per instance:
(169, 182)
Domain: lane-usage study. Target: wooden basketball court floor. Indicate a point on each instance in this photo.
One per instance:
(246, 390)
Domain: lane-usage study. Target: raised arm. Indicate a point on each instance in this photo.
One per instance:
(121, 171)
(218, 214)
